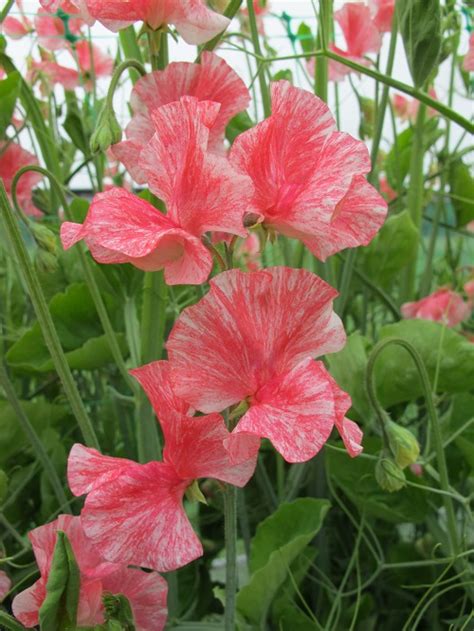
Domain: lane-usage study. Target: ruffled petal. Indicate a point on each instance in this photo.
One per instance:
(360, 32)
(296, 411)
(146, 593)
(86, 468)
(196, 23)
(245, 336)
(137, 518)
(26, 604)
(5, 584)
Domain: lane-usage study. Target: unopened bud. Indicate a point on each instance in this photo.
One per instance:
(44, 237)
(107, 132)
(45, 262)
(251, 219)
(389, 475)
(403, 444)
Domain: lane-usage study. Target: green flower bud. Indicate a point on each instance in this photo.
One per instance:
(403, 444)
(44, 237)
(107, 132)
(389, 475)
(45, 262)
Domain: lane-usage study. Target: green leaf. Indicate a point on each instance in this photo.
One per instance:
(392, 250)
(305, 38)
(461, 183)
(9, 623)
(348, 368)
(420, 27)
(79, 330)
(41, 414)
(9, 91)
(396, 374)
(59, 609)
(356, 477)
(279, 541)
(237, 125)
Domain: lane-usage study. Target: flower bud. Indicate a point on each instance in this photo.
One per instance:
(107, 132)
(45, 239)
(403, 444)
(389, 475)
(45, 262)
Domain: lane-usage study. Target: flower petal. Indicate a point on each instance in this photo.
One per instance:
(360, 32)
(137, 518)
(87, 468)
(5, 584)
(27, 603)
(239, 335)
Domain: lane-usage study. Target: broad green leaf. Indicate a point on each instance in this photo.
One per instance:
(3, 486)
(356, 477)
(41, 415)
(305, 38)
(392, 250)
(279, 541)
(9, 91)
(79, 330)
(461, 183)
(396, 374)
(348, 368)
(420, 27)
(59, 609)
(237, 125)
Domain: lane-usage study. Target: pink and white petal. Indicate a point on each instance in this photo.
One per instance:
(27, 603)
(5, 585)
(50, 5)
(50, 31)
(356, 220)
(137, 518)
(296, 411)
(360, 32)
(117, 14)
(196, 23)
(351, 435)
(128, 153)
(90, 607)
(87, 468)
(245, 335)
(146, 593)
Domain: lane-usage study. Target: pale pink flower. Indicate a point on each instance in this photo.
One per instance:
(54, 74)
(133, 512)
(50, 31)
(444, 306)
(202, 193)
(12, 159)
(468, 62)
(14, 28)
(193, 20)
(382, 12)
(5, 585)
(211, 80)
(97, 65)
(309, 178)
(258, 335)
(145, 592)
(407, 109)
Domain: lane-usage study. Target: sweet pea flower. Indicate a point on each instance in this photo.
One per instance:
(407, 109)
(76, 8)
(258, 335)
(468, 62)
(133, 512)
(211, 80)
(5, 585)
(361, 35)
(309, 178)
(444, 306)
(13, 28)
(193, 20)
(382, 12)
(146, 592)
(201, 191)
(53, 74)
(97, 65)
(13, 158)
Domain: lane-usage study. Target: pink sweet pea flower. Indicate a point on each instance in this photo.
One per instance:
(145, 592)
(201, 191)
(73, 7)
(386, 190)
(211, 80)
(50, 31)
(258, 335)
(193, 20)
(382, 12)
(444, 305)
(14, 28)
(468, 62)
(98, 65)
(12, 159)
(54, 74)
(5, 585)
(407, 109)
(361, 34)
(309, 178)
(134, 512)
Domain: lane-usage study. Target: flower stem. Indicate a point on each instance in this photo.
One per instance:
(321, 66)
(230, 520)
(44, 318)
(267, 107)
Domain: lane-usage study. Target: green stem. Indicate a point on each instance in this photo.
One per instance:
(230, 12)
(434, 424)
(266, 102)
(230, 521)
(321, 66)
(415, 196)
(131, 50)
(88, 273)
(125, 65)
(10, 623)
(44, 318)
(6, 10)
(33, 437)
